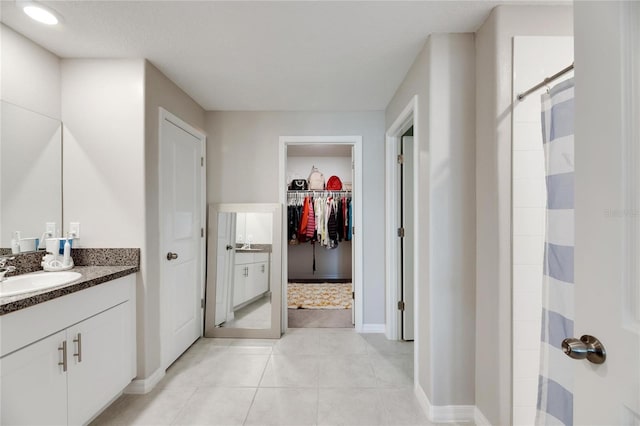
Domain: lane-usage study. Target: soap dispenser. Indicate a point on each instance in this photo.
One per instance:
(15, 242)
(66, 256)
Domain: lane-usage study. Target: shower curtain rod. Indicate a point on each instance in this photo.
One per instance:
(544, 82)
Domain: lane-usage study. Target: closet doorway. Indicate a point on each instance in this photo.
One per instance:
(322, 275)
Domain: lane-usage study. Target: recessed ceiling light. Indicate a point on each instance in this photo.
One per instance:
(40, 13)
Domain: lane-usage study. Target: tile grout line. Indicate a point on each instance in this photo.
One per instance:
(246, 417)
(177, 415)
(318, 359)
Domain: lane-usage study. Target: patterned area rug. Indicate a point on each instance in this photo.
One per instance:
(319, 296)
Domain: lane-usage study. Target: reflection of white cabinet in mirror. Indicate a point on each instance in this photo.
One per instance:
(30, 172)
(251, 278)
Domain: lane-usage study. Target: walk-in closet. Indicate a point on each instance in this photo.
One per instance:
(320, 213)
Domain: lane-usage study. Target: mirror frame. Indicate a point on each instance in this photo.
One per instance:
(275, 272)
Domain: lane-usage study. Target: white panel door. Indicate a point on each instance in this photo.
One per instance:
(607, 211)
(226, 242)
(181, 205)
(409, 238)
(34, 386)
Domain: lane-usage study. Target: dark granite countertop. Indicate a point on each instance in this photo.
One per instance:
(91, 276)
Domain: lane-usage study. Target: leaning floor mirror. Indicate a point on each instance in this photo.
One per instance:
(244, 272)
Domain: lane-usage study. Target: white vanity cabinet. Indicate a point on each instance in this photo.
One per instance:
(68, 375)
(34, 388)
(251, 277)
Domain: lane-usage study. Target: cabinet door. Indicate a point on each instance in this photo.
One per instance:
(239, 284)
(99, 361)
(34, 386)
(262, 275)
(258, 280)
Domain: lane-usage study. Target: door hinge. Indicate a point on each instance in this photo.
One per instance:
(400, 159)
(401, 305)
(201, 303)
(353, 230)
(201, 161)
(353, 294)
(401, 232)
(201, 232)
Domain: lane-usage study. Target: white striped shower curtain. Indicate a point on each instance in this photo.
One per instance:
(555, 386)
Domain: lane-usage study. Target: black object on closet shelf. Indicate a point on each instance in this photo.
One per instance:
(298, 185)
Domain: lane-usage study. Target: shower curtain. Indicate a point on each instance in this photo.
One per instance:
(555, 384)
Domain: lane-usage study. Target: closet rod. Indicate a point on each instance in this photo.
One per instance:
(306, 191)
(544, 82)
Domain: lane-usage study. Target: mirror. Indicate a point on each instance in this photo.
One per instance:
(30, 173)
(244, 275)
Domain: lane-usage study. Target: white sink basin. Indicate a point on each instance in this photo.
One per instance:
(36, 281)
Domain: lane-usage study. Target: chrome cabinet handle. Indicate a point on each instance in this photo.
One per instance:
(78, 340)
(172, 256)
(63, 348)
(587, 347)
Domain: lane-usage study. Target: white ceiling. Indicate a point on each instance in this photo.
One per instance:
(264, 55)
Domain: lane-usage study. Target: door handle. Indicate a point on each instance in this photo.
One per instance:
(587, 347)
(63, 349)
(229, 247)
(78, 340)
(172, 256)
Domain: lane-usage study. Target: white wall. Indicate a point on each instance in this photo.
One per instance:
(534, 58)
(300, 167)
(242, 166)
(103, 173)
(493, 195)
(443, 77)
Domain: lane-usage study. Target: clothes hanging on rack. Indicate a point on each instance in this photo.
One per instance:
(319, 216)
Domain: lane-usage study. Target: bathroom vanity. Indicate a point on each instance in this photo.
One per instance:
(68, 351)
(251, 276)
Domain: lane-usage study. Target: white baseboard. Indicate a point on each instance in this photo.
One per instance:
(445, 413)
(422, 399)
(480, 419)
(453, 413)
(142, 386)
(372, 328)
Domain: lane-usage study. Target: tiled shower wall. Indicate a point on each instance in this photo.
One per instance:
(534, 58)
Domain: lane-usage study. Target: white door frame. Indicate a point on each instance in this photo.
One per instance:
(393, 139)
(164, 298)
(356, 142)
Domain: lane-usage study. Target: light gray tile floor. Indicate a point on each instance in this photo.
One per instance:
(308, 377)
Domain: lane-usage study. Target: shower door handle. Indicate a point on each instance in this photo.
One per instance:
(587, 347)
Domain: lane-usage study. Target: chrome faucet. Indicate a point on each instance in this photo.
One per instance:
(4, 269)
